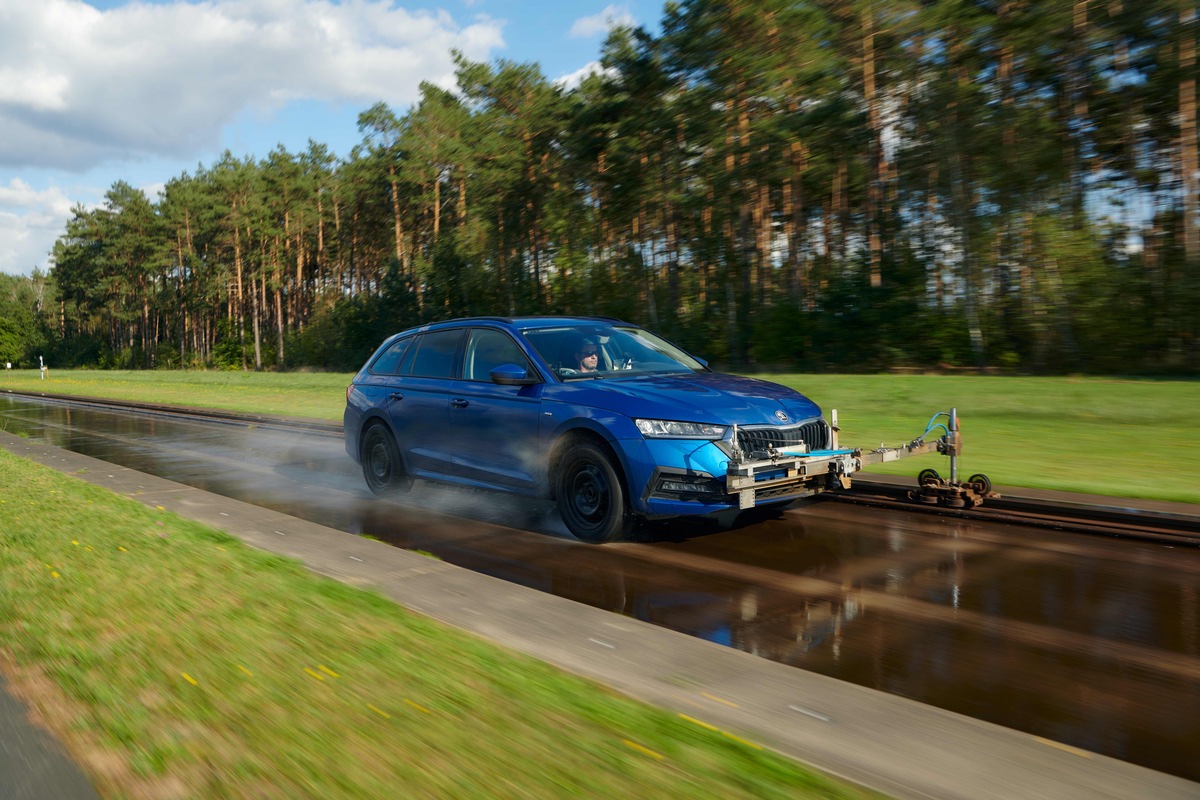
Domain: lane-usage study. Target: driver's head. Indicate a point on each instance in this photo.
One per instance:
(587, 353)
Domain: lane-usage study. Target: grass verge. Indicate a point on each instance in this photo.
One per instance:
(1107, 436)
(313, 395)
(179, 663)
(1126, 438)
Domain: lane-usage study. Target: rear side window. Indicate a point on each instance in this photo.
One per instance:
(388, 362)
(437, 355)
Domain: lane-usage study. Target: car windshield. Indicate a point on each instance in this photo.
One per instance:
(600, 350)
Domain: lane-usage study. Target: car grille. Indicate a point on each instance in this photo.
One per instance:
(815, 434)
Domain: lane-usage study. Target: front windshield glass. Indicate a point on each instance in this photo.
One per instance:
(600, 350)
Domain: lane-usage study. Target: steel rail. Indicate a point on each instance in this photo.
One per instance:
(1070, 517)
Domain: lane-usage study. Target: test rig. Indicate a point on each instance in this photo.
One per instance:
(796, 471)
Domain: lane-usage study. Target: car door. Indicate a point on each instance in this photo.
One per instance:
(419, 402)
(494, 428)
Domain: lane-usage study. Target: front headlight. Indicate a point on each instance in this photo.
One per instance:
(670, 429)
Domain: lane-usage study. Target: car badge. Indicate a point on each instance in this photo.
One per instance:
(782, 417)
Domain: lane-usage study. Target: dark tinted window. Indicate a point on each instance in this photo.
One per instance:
(436, 355)
(389, 360)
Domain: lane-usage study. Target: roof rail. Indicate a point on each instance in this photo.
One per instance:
(479, 318)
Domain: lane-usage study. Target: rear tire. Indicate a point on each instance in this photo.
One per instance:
(382, 466)
(591, 495)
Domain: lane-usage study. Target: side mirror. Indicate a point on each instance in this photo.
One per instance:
(512, 375)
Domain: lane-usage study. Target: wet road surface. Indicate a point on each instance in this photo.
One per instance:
(1087, 641)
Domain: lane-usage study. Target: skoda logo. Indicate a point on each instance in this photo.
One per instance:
(782, 417)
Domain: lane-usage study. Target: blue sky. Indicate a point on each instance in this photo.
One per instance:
(100, 91)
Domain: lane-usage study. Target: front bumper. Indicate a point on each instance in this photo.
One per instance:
(688, 477)
(702, 477)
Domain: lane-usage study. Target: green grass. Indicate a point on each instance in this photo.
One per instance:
(1127, 438)
(313, 395)
(181, 663)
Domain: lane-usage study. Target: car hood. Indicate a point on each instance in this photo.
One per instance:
(697, 397)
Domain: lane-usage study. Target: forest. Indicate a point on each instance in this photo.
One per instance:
(818, 185)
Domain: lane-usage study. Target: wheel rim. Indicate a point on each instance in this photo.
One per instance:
(379, 460)
(381, 464)
(590, 496)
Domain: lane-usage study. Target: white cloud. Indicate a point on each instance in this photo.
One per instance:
(81, 87)
(84, 89)
(29, 219)
(611, 17)
(573, 79)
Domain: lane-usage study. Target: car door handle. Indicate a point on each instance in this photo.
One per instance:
(458, 402)
(395, 396)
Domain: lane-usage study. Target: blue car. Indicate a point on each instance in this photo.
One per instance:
(611, 421)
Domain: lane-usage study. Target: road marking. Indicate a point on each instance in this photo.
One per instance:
(355, 558)
(643, 750)
(716, 699)
(603, 644)
(695, 721)
(810, 713)
(1066, 747)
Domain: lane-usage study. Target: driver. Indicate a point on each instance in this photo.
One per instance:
(587, 356)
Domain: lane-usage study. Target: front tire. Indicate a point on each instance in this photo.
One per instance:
(382, 466)
(591, 495)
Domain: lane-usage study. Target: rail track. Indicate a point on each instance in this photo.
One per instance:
(1059, 514)
(1113, 517)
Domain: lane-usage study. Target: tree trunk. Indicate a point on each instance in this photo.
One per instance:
(241, 305)
(256, 308)
(279, 359)
(873, 210)
(1188, 143)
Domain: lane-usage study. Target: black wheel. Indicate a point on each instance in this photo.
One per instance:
(928, 476)
(980, 483)
(590, 496)
(381, 463)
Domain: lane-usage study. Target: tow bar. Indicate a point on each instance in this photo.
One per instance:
(794, 472)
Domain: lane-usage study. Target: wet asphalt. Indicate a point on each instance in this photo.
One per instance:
(894, 745)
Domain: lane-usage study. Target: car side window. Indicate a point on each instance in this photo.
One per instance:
(437, 355)
(388, 362)
(487, 349)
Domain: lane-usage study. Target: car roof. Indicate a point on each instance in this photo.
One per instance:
(517, 322)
